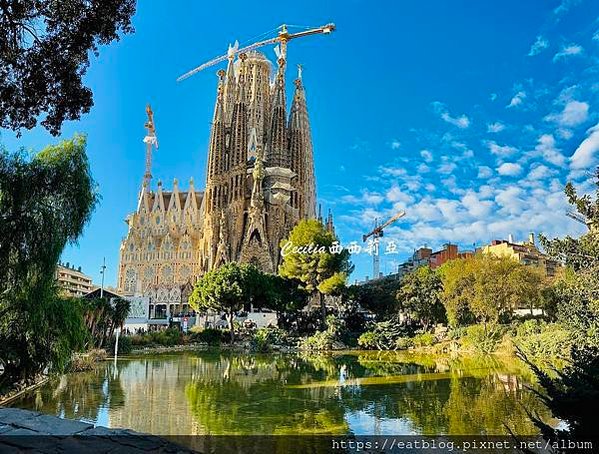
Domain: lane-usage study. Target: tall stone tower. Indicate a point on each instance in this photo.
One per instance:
(260, 176)
(259, 184)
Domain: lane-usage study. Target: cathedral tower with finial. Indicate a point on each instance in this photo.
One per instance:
(259, 184)
(251, 127)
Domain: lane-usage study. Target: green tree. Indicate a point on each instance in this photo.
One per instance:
(44, 54)
(572, 394)
(488, 289)
(45, 202)
(308, 256)
(378, 296)
(225, 289)
(420, 296)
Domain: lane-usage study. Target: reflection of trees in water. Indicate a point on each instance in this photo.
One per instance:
(79, 395)
(481, 395)
(244, 395)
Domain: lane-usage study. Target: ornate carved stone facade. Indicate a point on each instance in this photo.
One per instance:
(259, 184)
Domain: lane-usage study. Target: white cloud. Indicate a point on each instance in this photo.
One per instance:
(395, 144)
(395, 194)
(547, 149)
(510, 199)
(573, 114)
(596, 36)
(476, 207)
(493, 96)
(585, 154)
(568, 51)
(540, 172)
(484, 172)
(426, 155)
(447, 167)
(565, 6)
(393, 171)
(461, 121)
(538, 46)
(495, 127)
(367, 197)
(509, 169)
(517, 99)
(423, 168)
(500, 150)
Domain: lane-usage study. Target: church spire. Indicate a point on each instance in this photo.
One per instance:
(151, 141)
(216, 151)
(239, 122)
(277, 155)
(230, 86)
(301, 152)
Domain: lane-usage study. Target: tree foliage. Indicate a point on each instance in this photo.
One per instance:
(420, 296)
(488, 289)
(378, 296)
(573, 394)
(44, 55)
(102, 317)
(45, 203)
(311, 260)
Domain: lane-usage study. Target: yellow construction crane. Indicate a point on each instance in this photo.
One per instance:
(282, 38)
(377, 233)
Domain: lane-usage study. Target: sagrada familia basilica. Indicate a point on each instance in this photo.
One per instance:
(259, 184)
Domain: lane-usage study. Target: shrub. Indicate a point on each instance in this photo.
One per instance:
(382, 335)
(481, 340)
(321, 340)
(424, 340)
(538, 340)
(210, 336)
(264, 338)
(125, 345)
(403, 343)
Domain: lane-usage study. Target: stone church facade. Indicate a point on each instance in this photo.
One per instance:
(259, 184)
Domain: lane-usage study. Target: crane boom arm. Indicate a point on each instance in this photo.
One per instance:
(379, 229)
(281, 38)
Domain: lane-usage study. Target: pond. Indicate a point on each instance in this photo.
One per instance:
(221, 393)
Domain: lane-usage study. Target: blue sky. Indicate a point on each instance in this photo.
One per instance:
(471, 116)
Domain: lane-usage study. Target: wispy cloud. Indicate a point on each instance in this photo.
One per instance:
(574, 113)
(565, 6)
(461, 121)
(426, 155)
(538, 46)
(495, 127)
(395, 144)
(517, 99)
(500, 150)
(509, 169)
(568, 51)
(585, 155)
(546, 148)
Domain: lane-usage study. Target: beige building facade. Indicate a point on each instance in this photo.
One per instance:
(72, 281)
(259, 184)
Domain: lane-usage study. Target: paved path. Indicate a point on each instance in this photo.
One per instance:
(24, 430)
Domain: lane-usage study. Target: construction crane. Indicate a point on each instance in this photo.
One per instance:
(376, 234)
(282, 38)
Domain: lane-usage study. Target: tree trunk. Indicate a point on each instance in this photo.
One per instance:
(231, 328)
(323, 310)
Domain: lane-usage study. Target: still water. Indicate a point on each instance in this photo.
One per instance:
(349, 393)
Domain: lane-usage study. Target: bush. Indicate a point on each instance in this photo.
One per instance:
(382, 335)
(166, 338)
(125, 345)
(481, 340)
(321, 340)
(538, 340)
(264, 338)
(403, 343)
(209, 336)
(424, 340)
